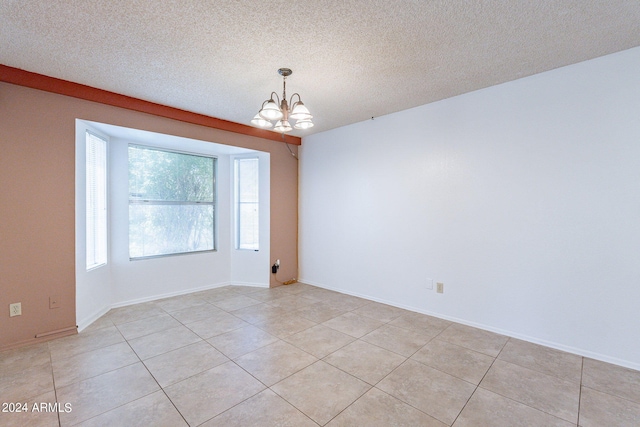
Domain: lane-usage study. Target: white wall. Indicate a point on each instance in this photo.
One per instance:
(124, 282)
(522, 198)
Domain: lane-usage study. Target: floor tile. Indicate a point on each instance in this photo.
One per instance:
(209, 393)
(402, 341)
(296, 288)
(381, 312)
(422, 323)
(216, 294)
(378, 409)
(100, 394)
(612, 379)
(152, 410)
(319, 312)
(543, 359)
(245, 289)
(549, 394)
(439, 395)
(458, 361)
(140, 328)
(216, 325)
(365, 361)
(353, 324)
(235, 302)
(489, 409)
(319, 340)
(363, 378)
(241, 341)
(600, 409)
(31, 417)
(161, 342)
(259, 313)
(80, 343)
(269, 294)
(92, 363)
(292, 302)
(24, 357)
(320, 294)
(321, 391)
(346, 302)
(264, 409)
(283, 326)
(275, 362)
(180, 364)
(135, 312)
(18, 385)
(475, 339)
(102, 322)
(193, 314)
(180, 302)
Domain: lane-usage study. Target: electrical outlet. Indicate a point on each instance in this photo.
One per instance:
(429, 284)
(15, 309)
(54, 302)
(440, 288)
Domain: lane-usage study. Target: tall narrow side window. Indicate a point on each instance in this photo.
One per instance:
(96, 200)
(246, 201)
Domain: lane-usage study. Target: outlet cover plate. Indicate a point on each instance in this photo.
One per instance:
(440, 287)
(15, 309)
(54, 302)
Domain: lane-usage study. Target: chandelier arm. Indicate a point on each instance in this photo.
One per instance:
(271, 97)
(291, 100)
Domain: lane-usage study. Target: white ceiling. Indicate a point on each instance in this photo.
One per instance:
(351, 60)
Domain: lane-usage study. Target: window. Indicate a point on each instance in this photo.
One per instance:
(246, 201)
(171, 202)
(96, 200)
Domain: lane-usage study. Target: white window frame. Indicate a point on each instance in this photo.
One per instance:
(96, 202)
(179, 203)
(238, 202)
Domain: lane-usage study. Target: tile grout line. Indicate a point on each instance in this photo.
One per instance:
(580, 391)
(55, 389)
(480, 382)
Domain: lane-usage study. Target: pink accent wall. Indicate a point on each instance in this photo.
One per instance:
(37, 213)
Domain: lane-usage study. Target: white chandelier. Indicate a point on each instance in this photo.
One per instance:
(280, 111)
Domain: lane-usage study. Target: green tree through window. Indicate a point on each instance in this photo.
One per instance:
(171, 202)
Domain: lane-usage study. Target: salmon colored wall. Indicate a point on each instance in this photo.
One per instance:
(37, 181)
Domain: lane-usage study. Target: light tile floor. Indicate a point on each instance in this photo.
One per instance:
(303, 356)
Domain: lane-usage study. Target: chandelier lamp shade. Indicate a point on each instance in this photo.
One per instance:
(282, 111)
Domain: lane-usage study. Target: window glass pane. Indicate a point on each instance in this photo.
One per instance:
(169, 229)
(96, 200)
(165, 175)
(247, 203)
(171, 202)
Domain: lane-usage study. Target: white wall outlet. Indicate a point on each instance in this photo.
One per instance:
(15, 309)
(429, 283)
(278, 262)
(440, 288)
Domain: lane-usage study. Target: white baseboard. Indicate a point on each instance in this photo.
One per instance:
(167, 295)
(512, 334)
(84, 323)
(254, 285)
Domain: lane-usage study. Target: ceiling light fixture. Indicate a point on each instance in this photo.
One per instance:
(280, 112)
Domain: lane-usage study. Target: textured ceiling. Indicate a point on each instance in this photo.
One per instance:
(351, 59)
